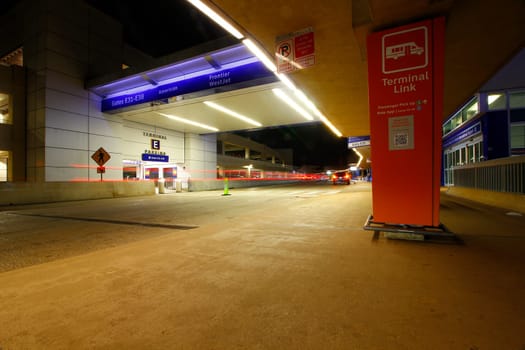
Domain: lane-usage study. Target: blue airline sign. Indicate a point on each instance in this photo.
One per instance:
(219, 78)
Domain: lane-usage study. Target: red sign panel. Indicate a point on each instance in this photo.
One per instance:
(405, 76)
(305, 49)
(295, 51)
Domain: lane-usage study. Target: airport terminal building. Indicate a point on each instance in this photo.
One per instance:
(490, 126)
(70, 87)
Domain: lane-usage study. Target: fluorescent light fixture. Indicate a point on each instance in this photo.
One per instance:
(307, 102)
(330, 126)
(283, 96)
(293, 63)
(473, 108)
(286, 81)
(261, 55)
(232, 113)
(360, 157)
(187, 121)
(216, 18)
(317, 113)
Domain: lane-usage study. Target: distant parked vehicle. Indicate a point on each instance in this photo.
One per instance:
(342, 176)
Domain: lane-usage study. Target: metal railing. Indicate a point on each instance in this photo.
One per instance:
(500, 175)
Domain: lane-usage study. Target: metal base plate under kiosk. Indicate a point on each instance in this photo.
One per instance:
(408, 232)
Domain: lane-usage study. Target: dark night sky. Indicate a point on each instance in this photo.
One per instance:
(161, 27)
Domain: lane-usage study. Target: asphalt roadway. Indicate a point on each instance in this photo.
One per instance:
(286, 267)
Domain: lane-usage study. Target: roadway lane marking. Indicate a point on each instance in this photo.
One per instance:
(311, 194)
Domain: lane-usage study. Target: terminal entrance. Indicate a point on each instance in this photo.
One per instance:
(171, 129)
(464, 153)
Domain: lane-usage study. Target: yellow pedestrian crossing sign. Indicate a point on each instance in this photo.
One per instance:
(100, 156)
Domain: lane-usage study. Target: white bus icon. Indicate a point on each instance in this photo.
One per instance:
(413, 43)
(401, 50)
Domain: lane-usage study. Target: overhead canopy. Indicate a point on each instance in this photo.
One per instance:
(221, 91)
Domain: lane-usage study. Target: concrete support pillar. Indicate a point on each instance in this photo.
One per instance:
(246, 153)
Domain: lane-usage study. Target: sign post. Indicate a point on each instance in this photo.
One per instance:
(405, 76)
(101, 157)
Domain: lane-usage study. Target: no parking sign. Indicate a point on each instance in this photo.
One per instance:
(295, 50)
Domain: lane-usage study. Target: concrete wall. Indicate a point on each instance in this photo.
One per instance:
(67, 42)
(28, 193)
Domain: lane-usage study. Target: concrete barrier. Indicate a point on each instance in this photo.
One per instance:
(218, 184)
(29, 193)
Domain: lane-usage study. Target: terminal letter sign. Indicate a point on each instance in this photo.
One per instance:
(405, 76)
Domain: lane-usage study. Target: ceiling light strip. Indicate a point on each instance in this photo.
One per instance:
(316, 112)
(232, 113)
(360, 157)
(286, 81)
(330, 126)
(216, 18)
(260, 54)
(305, 100)
(283, 96)
(190, 122)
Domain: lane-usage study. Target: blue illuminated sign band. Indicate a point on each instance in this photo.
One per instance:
(219, 78)
(155, 157)
(473, 130)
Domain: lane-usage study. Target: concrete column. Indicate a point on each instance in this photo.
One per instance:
(246, 153)
(201, 155)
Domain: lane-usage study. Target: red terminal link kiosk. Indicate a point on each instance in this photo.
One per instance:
(405, 77)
